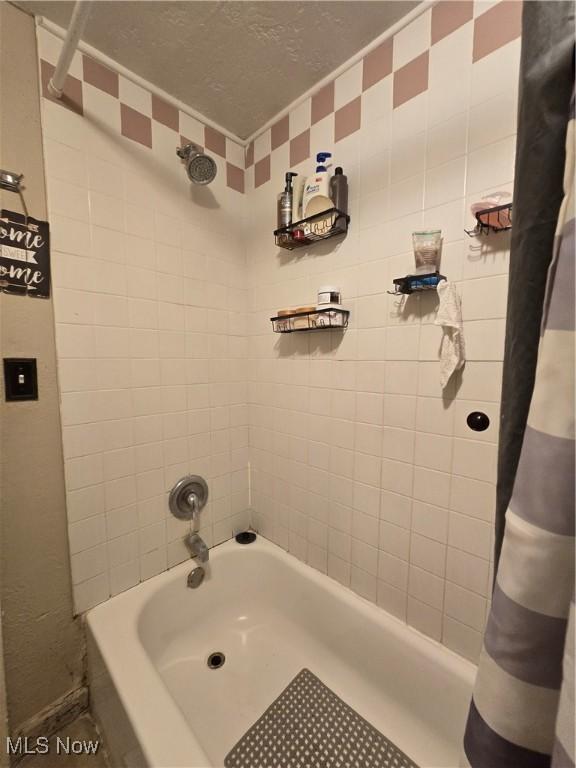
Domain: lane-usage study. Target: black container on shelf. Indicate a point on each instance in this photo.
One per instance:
(495, 219)
(312, 229)
(339, 190)
(330, 318)
(416, 283)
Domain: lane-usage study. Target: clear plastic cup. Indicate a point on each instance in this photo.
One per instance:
(427, 248)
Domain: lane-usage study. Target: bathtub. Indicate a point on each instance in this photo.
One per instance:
(160, 705)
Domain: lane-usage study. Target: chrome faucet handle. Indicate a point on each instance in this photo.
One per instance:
(188, 497)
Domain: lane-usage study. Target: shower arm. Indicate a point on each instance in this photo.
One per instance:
(75, 29)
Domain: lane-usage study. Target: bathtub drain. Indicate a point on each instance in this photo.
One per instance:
(216, 660)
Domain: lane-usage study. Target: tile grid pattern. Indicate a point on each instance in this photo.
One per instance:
(150, 303)
(359, 466)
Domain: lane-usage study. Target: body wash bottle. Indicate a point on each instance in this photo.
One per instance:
(316, 191)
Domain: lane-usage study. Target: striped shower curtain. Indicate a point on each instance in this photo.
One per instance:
(522, 711)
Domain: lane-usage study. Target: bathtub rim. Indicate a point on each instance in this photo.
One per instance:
(133, 674)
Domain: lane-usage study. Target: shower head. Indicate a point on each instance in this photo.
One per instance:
(201, 168)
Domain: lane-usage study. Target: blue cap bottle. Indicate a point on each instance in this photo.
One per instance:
(321, 158)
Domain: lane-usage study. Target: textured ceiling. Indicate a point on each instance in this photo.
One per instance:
(238, 63)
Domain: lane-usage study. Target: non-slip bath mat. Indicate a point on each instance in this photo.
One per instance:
(308, 726)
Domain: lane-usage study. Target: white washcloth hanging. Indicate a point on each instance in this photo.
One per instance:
(452, 348)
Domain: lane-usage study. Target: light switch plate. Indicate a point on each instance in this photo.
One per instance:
(20, 378)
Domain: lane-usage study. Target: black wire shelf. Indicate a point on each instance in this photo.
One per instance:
(312, 229)
(495, 219)
(416, 283)
(331, 318)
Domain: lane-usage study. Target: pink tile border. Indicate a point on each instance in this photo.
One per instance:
(410, 80)
(279, 133)
(135, 125)
(214, 140)
(165, 113)
(377, 64)
(262, 171)
(235, 177)
(497, 26)
(300, 148)
(100, 76)
(323, 103)
(348, 119)
(72, 98)
(448, 16)
(492, 29)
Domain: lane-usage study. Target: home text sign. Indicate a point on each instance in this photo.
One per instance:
(24, 254)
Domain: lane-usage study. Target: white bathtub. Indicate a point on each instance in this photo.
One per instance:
(159, 704)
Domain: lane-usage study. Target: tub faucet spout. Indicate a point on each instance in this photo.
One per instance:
(197, 548)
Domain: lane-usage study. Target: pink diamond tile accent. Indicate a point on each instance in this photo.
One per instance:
(215, 141)
(499, 25)
(100, 76)
(72, 97)
(135, 125)
(450, 15)
(377, 64)
(235, 177)
(165, 113)
(323, 103)
(262, 171)
(249, 154)
(280, 132)
(300, 148)
(348, 119)
(410, 80)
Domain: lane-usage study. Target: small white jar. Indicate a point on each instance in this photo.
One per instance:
(329, 295)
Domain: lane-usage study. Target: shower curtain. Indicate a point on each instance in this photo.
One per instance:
(546, 77)
(522, 710)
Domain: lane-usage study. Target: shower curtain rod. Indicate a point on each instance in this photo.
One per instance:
(75, 29)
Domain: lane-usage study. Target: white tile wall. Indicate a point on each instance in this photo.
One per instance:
(150, 301)
(360, 465)
(390, 491)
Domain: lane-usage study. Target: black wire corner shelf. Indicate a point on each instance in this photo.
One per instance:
(328, 319)
(495, 219)
(416, 283)
(312, 229)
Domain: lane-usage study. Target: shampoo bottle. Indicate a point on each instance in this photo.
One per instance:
(316, 197)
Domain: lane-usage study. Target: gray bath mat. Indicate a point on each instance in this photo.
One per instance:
(308, 726)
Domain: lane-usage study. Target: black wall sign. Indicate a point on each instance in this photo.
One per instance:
(24, 255)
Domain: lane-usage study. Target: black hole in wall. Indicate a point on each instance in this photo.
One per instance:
(478, 421)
